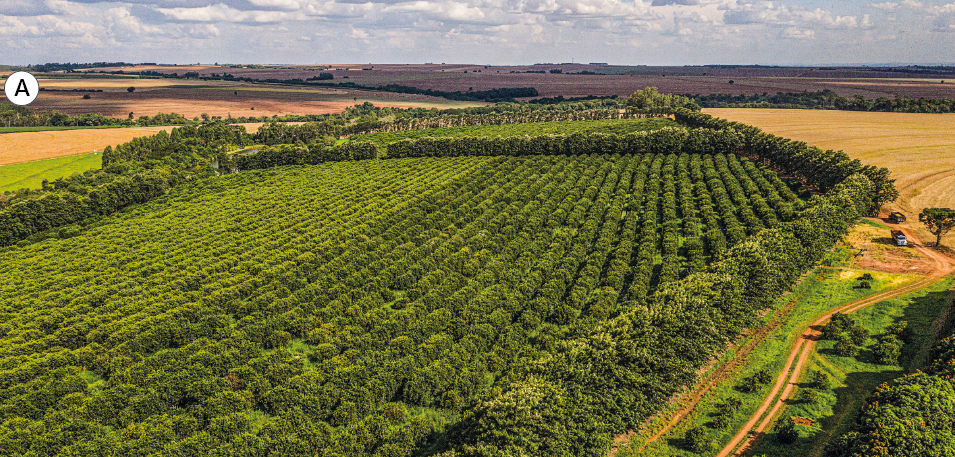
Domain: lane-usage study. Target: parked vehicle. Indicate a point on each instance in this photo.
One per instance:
(899, 238)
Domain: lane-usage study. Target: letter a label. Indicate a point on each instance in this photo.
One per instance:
(21, 88)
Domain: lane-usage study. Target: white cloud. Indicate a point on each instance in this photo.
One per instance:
(203, 31)
(54, 26)
(792, 33)
(125, 27)
(449, 10)
(289, 5)
(221, 13)
(12, 26)
(768, 13)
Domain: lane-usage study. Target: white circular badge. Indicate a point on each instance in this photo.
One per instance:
(21, 88)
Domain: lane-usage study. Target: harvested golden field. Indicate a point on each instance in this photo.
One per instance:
(918, 148)
(27, 146)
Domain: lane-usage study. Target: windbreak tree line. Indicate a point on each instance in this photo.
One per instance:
(19, 116)
(822, 169)
(826, 99)
(277, 133)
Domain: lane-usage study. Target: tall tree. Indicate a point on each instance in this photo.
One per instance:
(938, 221)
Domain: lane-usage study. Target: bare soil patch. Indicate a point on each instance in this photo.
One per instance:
(879, 252)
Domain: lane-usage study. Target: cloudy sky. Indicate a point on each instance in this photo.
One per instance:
(651, 32)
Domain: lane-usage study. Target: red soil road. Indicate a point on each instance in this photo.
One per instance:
(690, 400)
(761, 420)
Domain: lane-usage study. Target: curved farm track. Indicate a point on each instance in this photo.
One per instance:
(796, 362)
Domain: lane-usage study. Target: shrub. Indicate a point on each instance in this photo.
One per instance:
(887, 350)
(845, 347)
(697, 441)
(807, 396)
(819, 380)
(858, 334)
(838, 324)
(785, 431)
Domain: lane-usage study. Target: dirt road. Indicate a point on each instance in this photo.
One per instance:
(800, 354)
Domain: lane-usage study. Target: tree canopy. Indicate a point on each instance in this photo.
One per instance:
(939, 221)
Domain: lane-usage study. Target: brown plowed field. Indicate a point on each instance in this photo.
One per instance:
(919, 149)
(609, 80)
(219, 100)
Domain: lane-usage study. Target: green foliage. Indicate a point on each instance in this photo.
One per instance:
(649, 100)
(30, 175)
(845, 347)
(755, 382)
(19, 116)
(912, 415)
(785, 431)
(888, 350)
(534, 303)
(838, 324)
(533, 127)
(807, 396)
(858, 335)
(938, 221)
(822, 169)
(827, 99)
(819, 380)
(697, 440)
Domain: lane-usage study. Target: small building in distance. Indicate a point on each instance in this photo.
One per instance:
(896, 217)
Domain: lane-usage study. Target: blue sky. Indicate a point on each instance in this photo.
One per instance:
(649, 32)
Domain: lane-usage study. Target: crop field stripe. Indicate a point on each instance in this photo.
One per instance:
(343, 200)
(31, 174)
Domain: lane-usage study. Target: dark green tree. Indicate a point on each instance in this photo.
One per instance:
(938, 221)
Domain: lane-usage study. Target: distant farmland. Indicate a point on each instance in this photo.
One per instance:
(192, 98)
(27, 146)
(918, 148)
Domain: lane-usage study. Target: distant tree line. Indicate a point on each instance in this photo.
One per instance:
(505, 94)
(72, 66)
(826, 99)
(19, 116)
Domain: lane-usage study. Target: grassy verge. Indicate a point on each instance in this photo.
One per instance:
(855, 378)
(822, 290)
(617, 126)
(31, 174)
